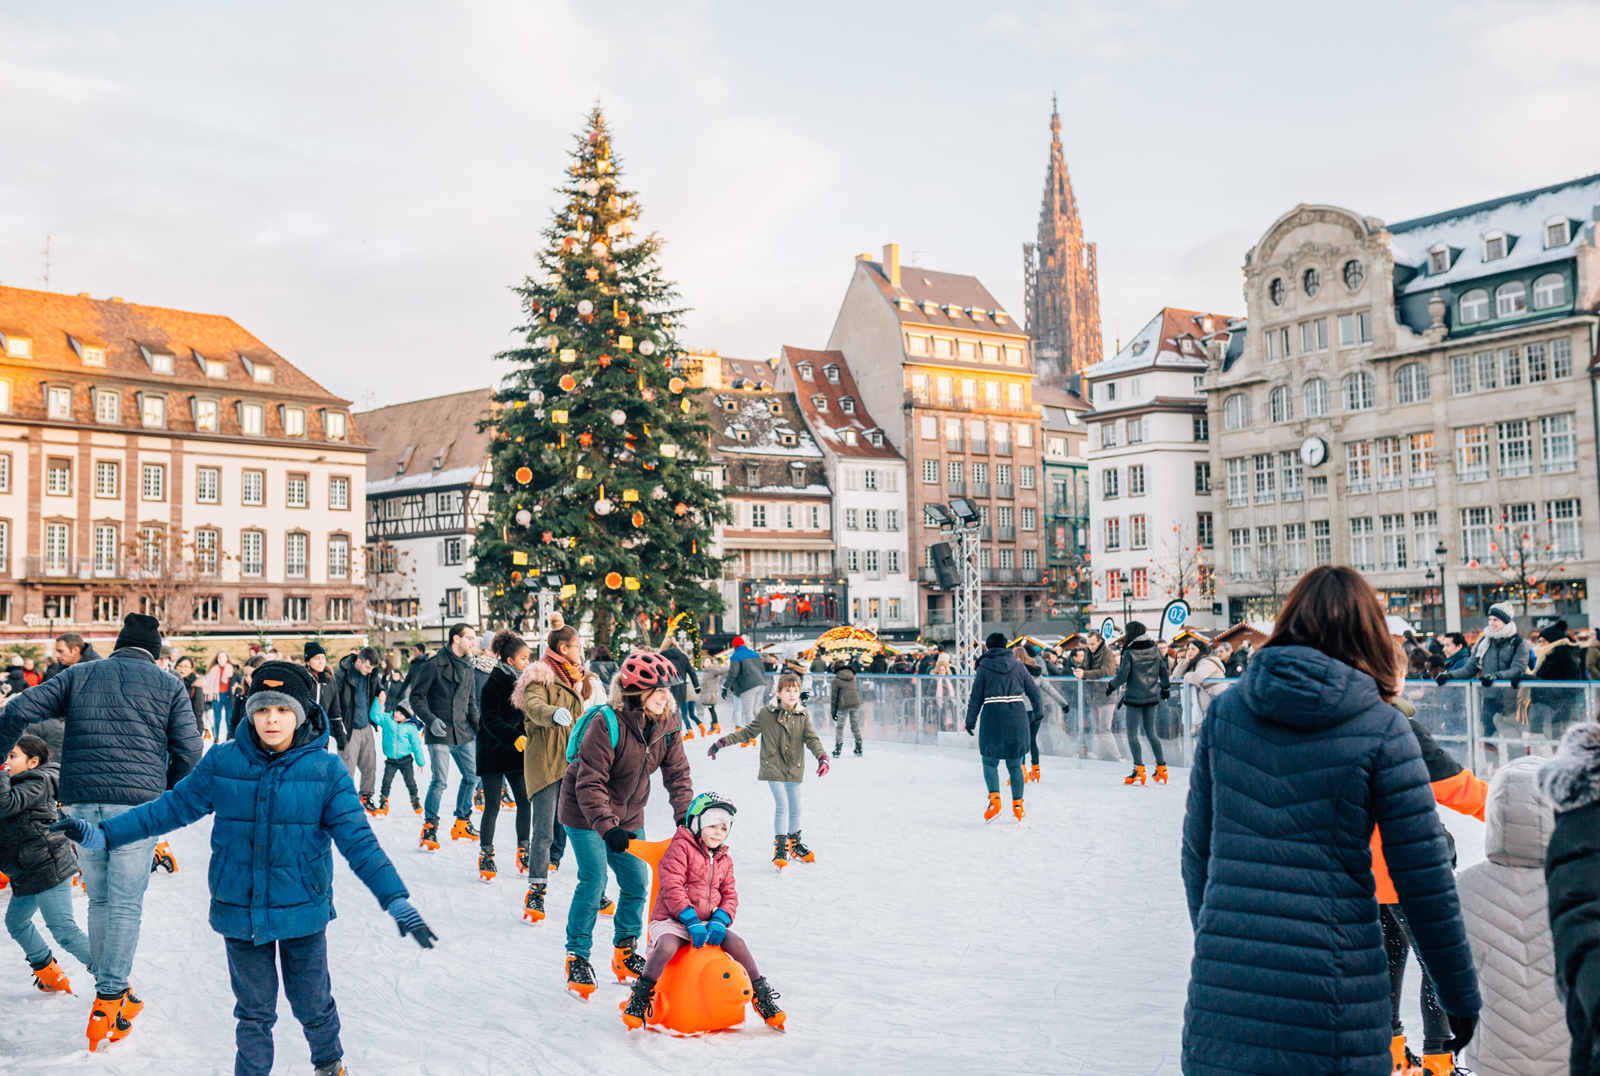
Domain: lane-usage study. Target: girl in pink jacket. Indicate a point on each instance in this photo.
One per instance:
(695, 905)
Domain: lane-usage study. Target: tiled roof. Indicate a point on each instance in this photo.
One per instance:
(959, 301)
(1057, 403)
(746, 373)
(794, 468)
(427, 442)
(830, 425)
(1162, 339)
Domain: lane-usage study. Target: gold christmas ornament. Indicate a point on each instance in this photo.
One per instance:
(569, 355)
(567, 383)
(685, 406)
(569, 590)
(630, 495)
(625, 342)
(558, 416)
(591, 274)
(631, 583)
(586, 560)
(518, 557)
(584, 472)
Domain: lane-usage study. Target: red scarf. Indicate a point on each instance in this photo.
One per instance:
(569, 674)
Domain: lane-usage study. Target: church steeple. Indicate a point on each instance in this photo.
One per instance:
(1061, 284)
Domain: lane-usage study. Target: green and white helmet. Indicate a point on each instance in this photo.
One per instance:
(707, 809)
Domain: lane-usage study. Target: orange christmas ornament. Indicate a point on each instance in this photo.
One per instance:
(682, 509)
(585, 438)
(567, 382)
(638, 519)
(524, 475)
(516, 577)
(605, 360)
(676, 384)
(613, 580)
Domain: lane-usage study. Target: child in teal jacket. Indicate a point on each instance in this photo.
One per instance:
(402, 750)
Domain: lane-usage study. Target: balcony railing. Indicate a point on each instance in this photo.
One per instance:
(1030, 575)
(1266, 498)
(1005, 489)
(980, 445)
(1005, 575)
(57, 568)
(985, 531)
(957, 487)
(952, 444)
(979, 489)
(927, 575)
(1002, 448)
(1008, 533)
(1422, 479)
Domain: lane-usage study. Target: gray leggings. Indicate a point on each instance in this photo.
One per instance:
(1143, 717)
(542, 811)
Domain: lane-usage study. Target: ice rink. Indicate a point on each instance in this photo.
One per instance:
(921, 941)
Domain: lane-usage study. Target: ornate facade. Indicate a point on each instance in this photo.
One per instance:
(1060, 278)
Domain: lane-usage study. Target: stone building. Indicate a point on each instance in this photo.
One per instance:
(1061, 284)
(868, 478)
(1062, 414)
(783, 584)
(153, 457)
(939, 361)
(1409, 399)
(427, 484)
(1150, 470)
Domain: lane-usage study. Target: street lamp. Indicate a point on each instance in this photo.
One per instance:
(1122, 584)
(443, 627)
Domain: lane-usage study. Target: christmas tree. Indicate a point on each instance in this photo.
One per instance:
(597, 442)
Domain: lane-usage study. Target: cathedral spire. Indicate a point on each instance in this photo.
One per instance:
(1061, 285)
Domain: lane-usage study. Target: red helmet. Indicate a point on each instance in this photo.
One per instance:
(646, 672)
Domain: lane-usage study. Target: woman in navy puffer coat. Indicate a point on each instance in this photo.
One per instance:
(1292, 769)
(271, 873)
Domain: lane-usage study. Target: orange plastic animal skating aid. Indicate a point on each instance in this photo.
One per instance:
(700, 990)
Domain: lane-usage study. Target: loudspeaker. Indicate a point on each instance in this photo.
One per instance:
(944, 565)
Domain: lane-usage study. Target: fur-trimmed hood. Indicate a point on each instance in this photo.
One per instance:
(540, 672)
(1572, 778)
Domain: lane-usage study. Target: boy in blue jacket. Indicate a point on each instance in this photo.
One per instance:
(403, 751)
(280, 798)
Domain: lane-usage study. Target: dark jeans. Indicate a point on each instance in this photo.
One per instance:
(406, 768)
(1143, 717)
(254, 972)
(1033, 736)
(689, 716)
(558, 841)
(491, 807)
(1397, 941)
(991, 774)
(662, 952)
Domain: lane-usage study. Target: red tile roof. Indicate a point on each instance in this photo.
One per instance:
(830, 425)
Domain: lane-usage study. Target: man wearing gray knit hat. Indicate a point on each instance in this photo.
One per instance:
(1502, 655)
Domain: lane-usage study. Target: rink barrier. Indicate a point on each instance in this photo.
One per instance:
(1481, 726)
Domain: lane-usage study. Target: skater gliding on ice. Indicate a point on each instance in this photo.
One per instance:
(500, 743)
(1144, 672)
(1001, 693)
(280, 801)
(785, 731)
(129, 736)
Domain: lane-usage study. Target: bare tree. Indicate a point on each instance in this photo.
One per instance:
(391, 591)
(164, 573)
(1180, 571)
(1525, 563)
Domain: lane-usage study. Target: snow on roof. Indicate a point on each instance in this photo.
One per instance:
(455, 476)
(1521, 216)
(1160, 339)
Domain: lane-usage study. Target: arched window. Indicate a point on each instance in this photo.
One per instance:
(1275, 291)
(1474, 306)
(1411, 383)
(1510, 299)
(1236, 411)
(1280, 405)
(1358, 391)
(1314, 397)
(1311, 280)
(1549, 290)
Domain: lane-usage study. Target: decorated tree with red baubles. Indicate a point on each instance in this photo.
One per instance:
(599, 462)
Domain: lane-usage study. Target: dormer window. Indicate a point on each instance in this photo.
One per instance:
(930, 307)
(261, 374)
(1189, 347)
(788, 438)
(999, 316)
(805, 371)
(774, 407)
(1439, 259)
(159, 362)
(88, 354)
(903, 302)
(797, 474)
(216, 370)
(847, 404)
(17, 347)
(58, 399)
(820, 403)
(294, 421)
(205, 415)
(1494, 246)
(1139, 346)
(831, 372)
(876, 437)
(335, 424)
(849, 437)
(252, 419)
(1557, 232)
(730, 405)
(752, 475)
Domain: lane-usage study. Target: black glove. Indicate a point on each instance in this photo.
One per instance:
(680, 820)
(1486, 680)
(805, 696)
(1166, 693)
(1110, 691)
(409, 920)
(1442, 679)
(1516, 680)
(617, 839)
(1461, 1029)
(970, 732)
(341, 744)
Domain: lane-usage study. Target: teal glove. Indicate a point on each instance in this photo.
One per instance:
(698, 932)
(717, 929)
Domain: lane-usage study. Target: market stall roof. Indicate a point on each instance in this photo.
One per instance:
(1254, 632)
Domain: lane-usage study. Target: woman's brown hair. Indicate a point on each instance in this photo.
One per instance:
(1336, 611)
(561, 637)
(506, 645)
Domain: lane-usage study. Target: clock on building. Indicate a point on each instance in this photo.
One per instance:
(1313, 451)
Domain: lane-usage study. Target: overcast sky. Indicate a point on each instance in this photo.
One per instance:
(359, 183)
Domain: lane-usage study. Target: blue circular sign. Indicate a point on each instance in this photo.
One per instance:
(1177, 613)
(1108, 627)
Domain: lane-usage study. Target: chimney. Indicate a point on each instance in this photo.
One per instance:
(891, 262)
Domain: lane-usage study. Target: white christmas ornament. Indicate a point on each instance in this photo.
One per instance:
(613, 230)
(602, 507)
(591, 188)
(618, 418)
(599, 249)
(585, 307)
(659, 493)
(646, 347)
(536, 397)
(524, 517)
(553, 280)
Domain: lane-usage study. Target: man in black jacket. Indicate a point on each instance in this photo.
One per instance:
(445, 699)
(129, 736)
(70, 649)
(355, 685)
(1571, 781)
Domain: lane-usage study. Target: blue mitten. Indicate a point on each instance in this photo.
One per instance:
(717, 929)
(697, 930)
(81, 832)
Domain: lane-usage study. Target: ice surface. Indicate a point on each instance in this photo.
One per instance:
(921, 941)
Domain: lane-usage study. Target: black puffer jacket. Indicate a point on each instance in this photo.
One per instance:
(501, 724)
(444, 696)
(1144, 671)
(353, 709)
(1571, 780)
(1002, 692)
(687, 677)
(1292, 768)
(130, 731)
(35, 858)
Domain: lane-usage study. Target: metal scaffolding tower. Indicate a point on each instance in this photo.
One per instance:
(969, 600)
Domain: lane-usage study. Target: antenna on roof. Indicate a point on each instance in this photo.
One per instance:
(369, 400)
(46, 253)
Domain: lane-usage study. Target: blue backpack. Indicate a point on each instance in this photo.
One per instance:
(581, 726)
